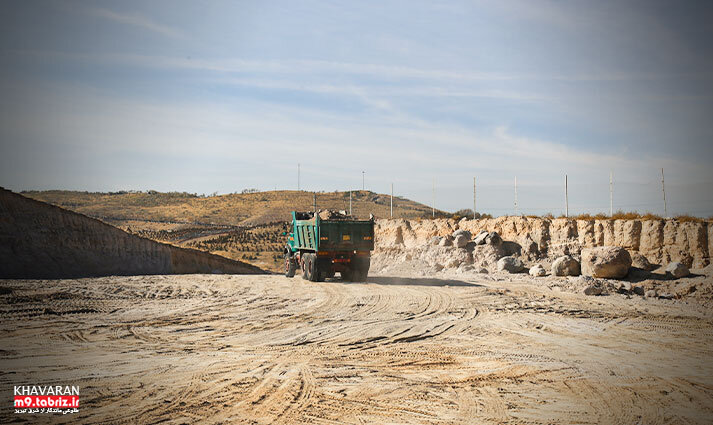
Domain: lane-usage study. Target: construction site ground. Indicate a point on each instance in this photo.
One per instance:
(268, 349)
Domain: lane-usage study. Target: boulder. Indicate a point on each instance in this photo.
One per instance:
(638, 260)
(677, 270)
(537, 270)
(493, 239)
(639, 290)
(447, 241)
(510, 264)
(651, 293)
(480, 238)
(461, 240)
(610, 262)
(434, 240)
(453, 263)
(565, 266)
(462, 232)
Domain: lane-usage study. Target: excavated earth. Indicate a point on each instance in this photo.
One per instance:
(268, 349)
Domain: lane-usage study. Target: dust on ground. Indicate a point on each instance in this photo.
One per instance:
(410, 349)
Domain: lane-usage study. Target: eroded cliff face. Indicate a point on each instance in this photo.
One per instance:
(660, 241)
(38, 240)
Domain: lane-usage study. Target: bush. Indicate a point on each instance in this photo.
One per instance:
(687, 218)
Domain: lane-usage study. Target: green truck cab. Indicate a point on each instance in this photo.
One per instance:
(324, 243)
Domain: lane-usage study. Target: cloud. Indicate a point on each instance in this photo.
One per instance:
(312, 67)
(136, 20)
(109, 141)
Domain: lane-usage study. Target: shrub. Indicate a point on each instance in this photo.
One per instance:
(621, 215)
(683, 218)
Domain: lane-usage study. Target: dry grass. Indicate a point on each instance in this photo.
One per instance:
(687, 218)
(245, 226)
(621, 215)
(630, 215)
(244, 209)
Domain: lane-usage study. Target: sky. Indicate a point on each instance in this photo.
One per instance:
(222, 96)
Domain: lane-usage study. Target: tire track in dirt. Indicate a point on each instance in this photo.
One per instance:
(267, 349)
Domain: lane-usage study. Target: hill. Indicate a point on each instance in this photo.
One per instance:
(245, 209)
(44, 241)
(246, 227)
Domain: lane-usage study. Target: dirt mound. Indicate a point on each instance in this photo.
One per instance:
(38, 240)
(334, 215)
(660, 241)
(423, 248)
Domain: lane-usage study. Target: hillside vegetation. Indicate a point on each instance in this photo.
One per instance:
(246, 227)
(246, 209)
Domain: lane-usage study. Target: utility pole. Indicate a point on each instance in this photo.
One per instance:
(350, 202)
(663, 189)
(298, 176)
(362, 180)
(473, 198)
(392, 200)
(566, 198)
(611, 193)
(315, 202)
(515, 195)
(433, 199)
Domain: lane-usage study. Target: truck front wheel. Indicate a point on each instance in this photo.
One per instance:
(290, 265)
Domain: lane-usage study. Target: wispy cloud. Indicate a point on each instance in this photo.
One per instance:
(136, 20)
(311, 67)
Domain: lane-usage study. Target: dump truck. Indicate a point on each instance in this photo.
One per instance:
(326, 242)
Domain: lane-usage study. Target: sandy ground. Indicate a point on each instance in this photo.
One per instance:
(268, 349)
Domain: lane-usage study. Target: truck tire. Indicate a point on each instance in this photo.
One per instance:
(361, 268)
(290, 265)
(319, 272)
(307, 264)
(347, 275)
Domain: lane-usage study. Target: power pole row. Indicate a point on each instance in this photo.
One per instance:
(433, 194)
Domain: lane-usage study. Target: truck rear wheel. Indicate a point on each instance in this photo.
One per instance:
(307, 265)
(312, 271)
(347, 275)
(290, 265)
(319, 272)
(361, 268)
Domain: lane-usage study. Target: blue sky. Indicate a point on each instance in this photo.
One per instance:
(230, 95)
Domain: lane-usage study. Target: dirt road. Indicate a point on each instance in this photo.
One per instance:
(268, 349)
